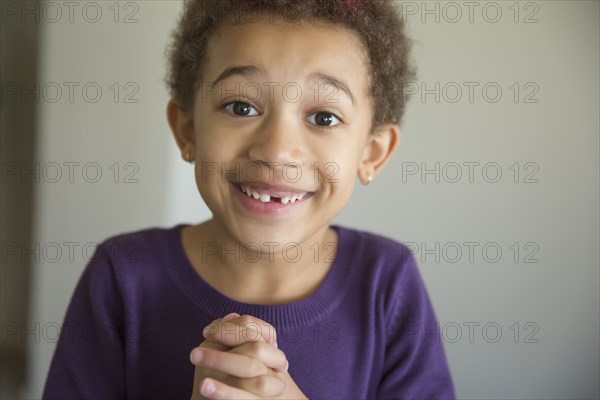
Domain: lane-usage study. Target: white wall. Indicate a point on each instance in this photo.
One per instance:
(558, 215)
(147, 189)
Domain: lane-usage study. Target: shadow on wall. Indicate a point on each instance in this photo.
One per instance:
(18, 66)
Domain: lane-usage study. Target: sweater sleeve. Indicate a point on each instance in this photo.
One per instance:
(415, 365)
(88, 362)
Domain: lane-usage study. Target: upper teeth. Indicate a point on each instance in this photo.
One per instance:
(265, 198)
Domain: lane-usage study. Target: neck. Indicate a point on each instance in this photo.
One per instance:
(270, 274)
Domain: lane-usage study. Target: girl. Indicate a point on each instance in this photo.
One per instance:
(279, 105)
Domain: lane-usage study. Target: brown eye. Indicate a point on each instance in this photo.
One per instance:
(324, 119)
(241, 109)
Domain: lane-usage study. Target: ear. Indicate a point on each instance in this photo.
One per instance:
(382, 143)
(182, 126)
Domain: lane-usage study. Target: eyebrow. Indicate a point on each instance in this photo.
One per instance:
(250, 70)
(243, 70)
(336, 83)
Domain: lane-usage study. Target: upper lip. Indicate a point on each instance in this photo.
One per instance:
(278, 190)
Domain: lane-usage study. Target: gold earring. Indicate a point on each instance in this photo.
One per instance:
(188, 156)
(369, 179)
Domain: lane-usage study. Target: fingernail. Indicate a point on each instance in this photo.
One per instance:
(208, 388)
(230, 316)
(196, 356)
(287, 366)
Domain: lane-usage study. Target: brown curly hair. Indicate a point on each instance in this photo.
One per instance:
(377, 23)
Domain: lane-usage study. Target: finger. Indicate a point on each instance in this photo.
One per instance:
(229, 316)
(214, 346)
(270, 356)
(243, 329)
(202, 373)
(266, 330)
(232, 334)
(214, 389)
(239, 365)
(264, 386)
(224, 319)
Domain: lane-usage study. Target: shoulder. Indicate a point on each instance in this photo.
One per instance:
(139, 246)
(148, 237)
(385, 269)
(374, 249)
(134, 256)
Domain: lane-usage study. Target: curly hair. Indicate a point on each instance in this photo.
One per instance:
(377, 23)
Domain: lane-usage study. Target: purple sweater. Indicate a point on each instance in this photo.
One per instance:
(368, 332)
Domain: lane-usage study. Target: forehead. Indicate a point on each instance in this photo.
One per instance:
(290, 51)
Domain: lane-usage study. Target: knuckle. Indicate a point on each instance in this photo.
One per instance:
(256, 349)
(281, 357)
(211, 329)
(261, 384)
(256, 368)
(209, 359)
(254, 327)
(246, 319)
(268, 386)
(252, 332)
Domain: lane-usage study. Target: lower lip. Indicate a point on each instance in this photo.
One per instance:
(271, 208)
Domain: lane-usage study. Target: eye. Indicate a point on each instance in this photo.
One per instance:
(324, 119)
(241, 109)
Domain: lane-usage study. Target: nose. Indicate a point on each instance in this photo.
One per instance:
(278, 141)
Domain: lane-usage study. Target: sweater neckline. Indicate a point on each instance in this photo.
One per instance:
(326, 298)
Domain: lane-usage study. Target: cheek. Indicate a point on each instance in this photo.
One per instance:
(213, 145)
(206, 131)
(339, 170)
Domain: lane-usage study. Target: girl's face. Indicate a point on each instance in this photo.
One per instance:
(279, 129)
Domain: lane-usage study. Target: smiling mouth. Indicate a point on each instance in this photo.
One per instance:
(272, 196)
